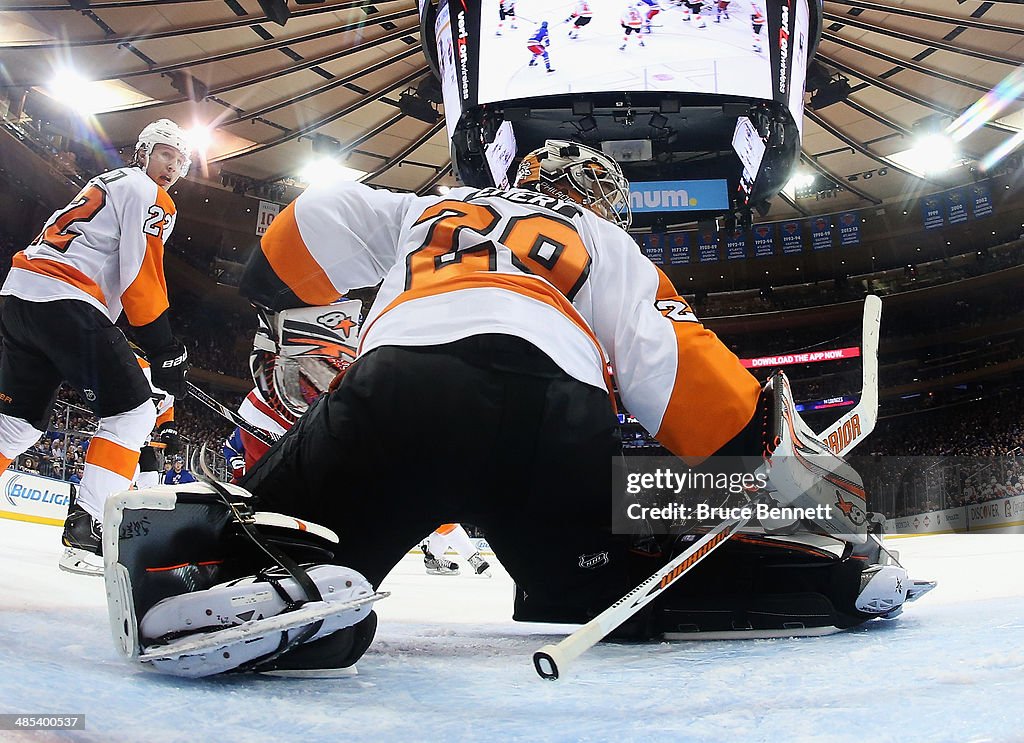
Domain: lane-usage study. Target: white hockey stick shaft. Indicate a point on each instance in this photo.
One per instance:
(853, 427)
(551, 660)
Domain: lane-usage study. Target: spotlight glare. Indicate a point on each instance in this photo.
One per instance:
(321, 170)
(81, 95)
(932, 153)
(201, 137)
(800, 180)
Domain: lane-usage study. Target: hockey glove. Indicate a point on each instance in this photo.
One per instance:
(168, 366)
(237, 467)
(169, 437)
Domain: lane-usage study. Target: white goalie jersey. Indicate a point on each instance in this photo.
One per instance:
(480, 261)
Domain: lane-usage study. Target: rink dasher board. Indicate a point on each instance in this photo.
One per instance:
(29, 497)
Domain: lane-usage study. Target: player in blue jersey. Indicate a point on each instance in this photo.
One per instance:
(652, 9)
(538, 46)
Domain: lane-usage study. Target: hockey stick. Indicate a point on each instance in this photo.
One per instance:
(264, 437)
(551, 660)
(851, 428)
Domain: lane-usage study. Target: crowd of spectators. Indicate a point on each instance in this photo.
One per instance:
(217, 340)
(853, 288)
(987, 427)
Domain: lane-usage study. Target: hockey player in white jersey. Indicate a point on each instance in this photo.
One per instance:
(756, 24)
(99, 256)
(632, 21)
(481, 394)
(692, 10)
(581, 17)
(506, 12)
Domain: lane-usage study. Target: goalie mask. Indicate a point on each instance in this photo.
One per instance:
(290, 385)
(165, 132)
(579, 173)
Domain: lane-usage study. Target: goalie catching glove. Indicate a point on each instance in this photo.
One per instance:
(199, 584)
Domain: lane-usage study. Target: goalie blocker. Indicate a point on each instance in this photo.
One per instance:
(198, 584)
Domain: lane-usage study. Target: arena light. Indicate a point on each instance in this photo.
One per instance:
(83, 96)
(201, 137)
(324, 169)
(71, 88)
(932, 153)
(800, 180)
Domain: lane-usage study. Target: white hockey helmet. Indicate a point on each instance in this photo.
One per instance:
(582, 174)
(163, 131)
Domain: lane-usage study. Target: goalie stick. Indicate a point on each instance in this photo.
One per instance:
(857, 423)
(265, 437)
(551, 659)
(841, 437)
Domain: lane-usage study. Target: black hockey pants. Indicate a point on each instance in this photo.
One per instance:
(486, 431)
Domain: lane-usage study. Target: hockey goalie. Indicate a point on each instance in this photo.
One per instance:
(481, 394)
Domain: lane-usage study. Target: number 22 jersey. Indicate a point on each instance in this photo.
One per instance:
(105, 248)
(478, 261)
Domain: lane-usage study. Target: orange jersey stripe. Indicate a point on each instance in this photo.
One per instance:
(446, 528)
(112, 457)
(291, 260)
(146, 298)
(64, 272)
(166, 416)
(707, 373)
(528, 286)
(4, 462)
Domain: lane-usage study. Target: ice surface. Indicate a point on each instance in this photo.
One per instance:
(448, 665)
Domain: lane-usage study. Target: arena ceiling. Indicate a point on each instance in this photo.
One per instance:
(338, 68)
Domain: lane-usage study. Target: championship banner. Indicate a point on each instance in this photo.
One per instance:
(981, 200)
(679, 248)
(956, 205)
(931, 210)
(736, 246)
(821, 233)
(654, 248)
(849, 228)
(265, 215)
(764, 240)
(792, 238)
(707, 246)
